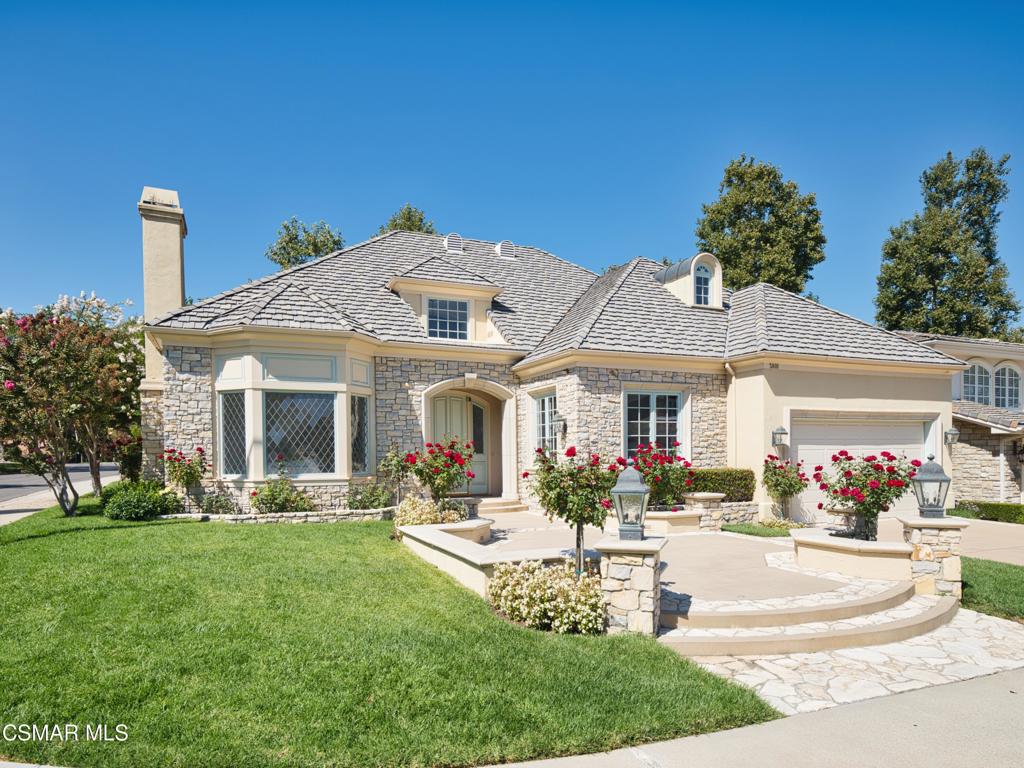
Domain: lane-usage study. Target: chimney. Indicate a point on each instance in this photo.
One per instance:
(163, 264)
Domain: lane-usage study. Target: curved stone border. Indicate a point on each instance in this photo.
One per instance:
(331, 516)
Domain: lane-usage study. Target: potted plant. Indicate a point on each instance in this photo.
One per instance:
(865, 487)
(576, 489)
(783, 480)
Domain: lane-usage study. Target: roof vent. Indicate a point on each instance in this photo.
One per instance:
(453, 244)
(505, 249)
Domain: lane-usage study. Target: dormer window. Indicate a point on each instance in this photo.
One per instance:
(702, 285)
(448, 319)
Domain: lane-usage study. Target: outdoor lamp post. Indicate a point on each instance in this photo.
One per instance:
(930, 486)
(951, 436)
(630, 496)
(779, 435)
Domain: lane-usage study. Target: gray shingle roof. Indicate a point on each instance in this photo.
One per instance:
(537, 288)
(436, 268)
(995, 344)
(764, 318)
(990, 414)
(627, 310)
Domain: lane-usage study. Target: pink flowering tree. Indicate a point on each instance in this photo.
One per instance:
(442, 467)
(865, 487)
(576, 489)
(66, 384)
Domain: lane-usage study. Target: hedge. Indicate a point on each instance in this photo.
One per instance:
(992, 510)
(736, 484)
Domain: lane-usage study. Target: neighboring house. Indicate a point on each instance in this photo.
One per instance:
(987, 411)
(408, 337)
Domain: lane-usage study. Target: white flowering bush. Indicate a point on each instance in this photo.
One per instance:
(416, 511)
(550, 598)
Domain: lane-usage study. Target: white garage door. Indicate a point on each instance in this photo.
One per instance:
(814, 441)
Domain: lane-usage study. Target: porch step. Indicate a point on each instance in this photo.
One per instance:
(498, 506)
(909, 618)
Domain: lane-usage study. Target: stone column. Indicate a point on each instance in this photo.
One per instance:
(710, 507)
(631, 583)
(935, 561)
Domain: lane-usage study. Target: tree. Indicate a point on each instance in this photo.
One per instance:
(298, 243)
(408, 219)
(67, 384)
(761, 228)
(940, 269)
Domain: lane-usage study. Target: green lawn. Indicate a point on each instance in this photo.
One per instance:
(9, 468)
(307, 645)
(992, 587)
(754, 529)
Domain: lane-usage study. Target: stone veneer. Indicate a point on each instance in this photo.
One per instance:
(631, 584)
(591, 401)
(985, 465)
(935, 561)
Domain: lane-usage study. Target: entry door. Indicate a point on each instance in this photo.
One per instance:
(465, 419)
(814, 442)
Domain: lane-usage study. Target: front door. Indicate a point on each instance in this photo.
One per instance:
(465, 419)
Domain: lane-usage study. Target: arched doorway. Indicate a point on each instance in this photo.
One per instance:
(465, 418)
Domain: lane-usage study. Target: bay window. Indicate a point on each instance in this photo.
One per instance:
(232, 434)
(359, 432)
(299, 429)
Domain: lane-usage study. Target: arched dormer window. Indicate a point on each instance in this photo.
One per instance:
(977, 384)
(1007, 387)
(702, 285)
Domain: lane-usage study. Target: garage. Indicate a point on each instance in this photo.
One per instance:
(815, 439)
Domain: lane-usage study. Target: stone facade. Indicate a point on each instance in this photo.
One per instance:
(935, 561)
(714, 514)
(630, 582)
(985, 465)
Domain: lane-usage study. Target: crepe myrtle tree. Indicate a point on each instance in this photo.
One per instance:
(865, 487)
(576, 489)
(68, 378)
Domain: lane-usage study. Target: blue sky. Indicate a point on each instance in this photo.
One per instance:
(594, 130)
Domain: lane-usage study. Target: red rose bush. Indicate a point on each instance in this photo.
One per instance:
(865, 487)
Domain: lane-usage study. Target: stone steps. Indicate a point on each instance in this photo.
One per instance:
(499, 506)
(902, 617)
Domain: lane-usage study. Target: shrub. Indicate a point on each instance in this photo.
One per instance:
(1002, 512)
(219, 504)
(182, 470)
(417, 511)
(120, 486)
(865, 487)
(442, 467)
(279, 496)
(140, 501)
(550, 598)
(370, 496)
(393, 470)
(736, 484)
(783, 479)
(665, 473)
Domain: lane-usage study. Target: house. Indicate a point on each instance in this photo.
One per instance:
(407, 337)
(987, 412)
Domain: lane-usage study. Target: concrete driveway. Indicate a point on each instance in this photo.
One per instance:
(995, 541)
(23, 495)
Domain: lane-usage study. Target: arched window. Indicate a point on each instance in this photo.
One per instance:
(1007, 388)
(702, 285)
(977, 384)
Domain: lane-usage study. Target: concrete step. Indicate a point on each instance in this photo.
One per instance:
(836, 611)
(497, 506)
(915, 616)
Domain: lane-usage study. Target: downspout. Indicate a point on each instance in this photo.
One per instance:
(731, 420)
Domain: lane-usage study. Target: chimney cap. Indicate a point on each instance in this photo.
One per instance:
(164, 203)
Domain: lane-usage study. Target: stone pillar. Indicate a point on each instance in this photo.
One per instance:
(935, 561)
(710, 507)
(631, 583)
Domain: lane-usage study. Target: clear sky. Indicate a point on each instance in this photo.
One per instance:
(594, 130)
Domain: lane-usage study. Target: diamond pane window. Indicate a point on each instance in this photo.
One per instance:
(652, 418)
(360, 425)
(447, 319)
(1007, 388)
(232, 433)
(299, 432)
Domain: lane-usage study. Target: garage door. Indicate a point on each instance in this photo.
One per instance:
(814, 441)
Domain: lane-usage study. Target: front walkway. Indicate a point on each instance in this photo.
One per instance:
(975, 724)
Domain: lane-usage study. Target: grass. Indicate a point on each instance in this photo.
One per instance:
(9, 468)
(307, 645)
(993, 587)
(755, 529)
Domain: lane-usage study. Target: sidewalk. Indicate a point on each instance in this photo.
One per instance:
(30, 503)
(973, 724)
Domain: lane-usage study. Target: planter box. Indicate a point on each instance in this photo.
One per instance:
(816, 549)
(662, 520)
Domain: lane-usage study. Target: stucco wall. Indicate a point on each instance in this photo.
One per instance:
(981, 473)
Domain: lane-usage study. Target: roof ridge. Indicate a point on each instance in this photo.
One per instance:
(452, 264)
(257, 306)
(627, 270)
(339, 313)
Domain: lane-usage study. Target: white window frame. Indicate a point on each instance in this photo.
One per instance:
(545, 432)
(246, 437)
(976, 387)
(1010, 368)
(469, 317)
(682, 417)
(697, 277)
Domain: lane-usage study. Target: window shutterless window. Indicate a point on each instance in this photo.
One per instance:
(547, 406)
(360, 433)
(977, 384)
(447, 319)
(702, 285)
(299, 432)
(652, 417)
(232, 433)
(1007, 388)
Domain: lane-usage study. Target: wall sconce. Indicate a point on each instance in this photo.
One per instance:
(779, 435)
(951, 436)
